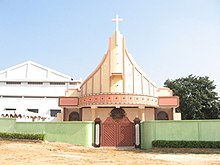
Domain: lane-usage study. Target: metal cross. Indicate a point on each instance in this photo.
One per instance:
(117, 20)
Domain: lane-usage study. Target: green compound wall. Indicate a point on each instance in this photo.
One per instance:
(82, 133)
(7, 125)
(199, 130)
(78, 133)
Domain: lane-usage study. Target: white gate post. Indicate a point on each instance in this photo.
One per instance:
(137, 132)
(97, 133)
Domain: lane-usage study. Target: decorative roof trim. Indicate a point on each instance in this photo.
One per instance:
(28, 63)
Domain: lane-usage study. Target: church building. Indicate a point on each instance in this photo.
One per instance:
(118, 89)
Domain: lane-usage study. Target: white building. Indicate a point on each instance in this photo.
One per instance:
(29, 92)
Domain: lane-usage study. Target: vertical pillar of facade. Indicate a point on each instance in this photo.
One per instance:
(80, 114)
(97, 134)
(64, 114)
(93, 112)
(155, 113)
(142, 113)
(173, 111)
(61, 116)
(137, 132)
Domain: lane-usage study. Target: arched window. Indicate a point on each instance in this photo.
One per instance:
(117, 113)
(74, 116)
(162, 116)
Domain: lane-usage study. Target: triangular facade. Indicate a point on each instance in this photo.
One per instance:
(30, 70)
(118, 73)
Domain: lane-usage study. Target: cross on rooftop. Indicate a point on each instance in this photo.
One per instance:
(117, 20)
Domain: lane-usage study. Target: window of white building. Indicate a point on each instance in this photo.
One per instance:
(73, 83)
(53, 112)
(35, 83)
(57, 83)
(10, 109)
(13, 83)
(33, 110)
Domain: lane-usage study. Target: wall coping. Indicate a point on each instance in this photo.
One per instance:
(64, 122)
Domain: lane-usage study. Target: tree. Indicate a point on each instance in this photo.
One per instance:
(198, 99)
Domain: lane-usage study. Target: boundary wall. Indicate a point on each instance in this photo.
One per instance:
(7, 125)
(78, 133)
(82, 133)
(198, 130)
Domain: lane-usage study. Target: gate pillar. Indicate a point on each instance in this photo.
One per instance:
(97, 133)
(137, 132)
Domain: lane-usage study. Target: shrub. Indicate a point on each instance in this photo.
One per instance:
(185, 144)
(5, 135)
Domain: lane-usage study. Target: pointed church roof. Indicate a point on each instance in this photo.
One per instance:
(118, 72)
(31, 71)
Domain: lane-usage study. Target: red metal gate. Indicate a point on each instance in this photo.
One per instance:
(118, 132)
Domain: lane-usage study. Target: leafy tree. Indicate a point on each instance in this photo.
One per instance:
(198, 99)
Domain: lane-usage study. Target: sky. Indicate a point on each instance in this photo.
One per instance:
(168, 39)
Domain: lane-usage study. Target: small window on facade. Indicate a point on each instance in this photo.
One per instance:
(10, 109)
(162, 116)
(117, 113)
(35, 83)
(74, 116)
(57, 83)
(13, 83)
(53, 112)
(33, 110)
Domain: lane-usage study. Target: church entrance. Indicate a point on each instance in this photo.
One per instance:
(117, 130)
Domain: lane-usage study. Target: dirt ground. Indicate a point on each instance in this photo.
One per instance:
(47, 153)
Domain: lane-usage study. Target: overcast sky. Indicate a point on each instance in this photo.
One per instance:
(167, 38)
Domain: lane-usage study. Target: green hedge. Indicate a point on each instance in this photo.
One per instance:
(185, 144)
(5, 135)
